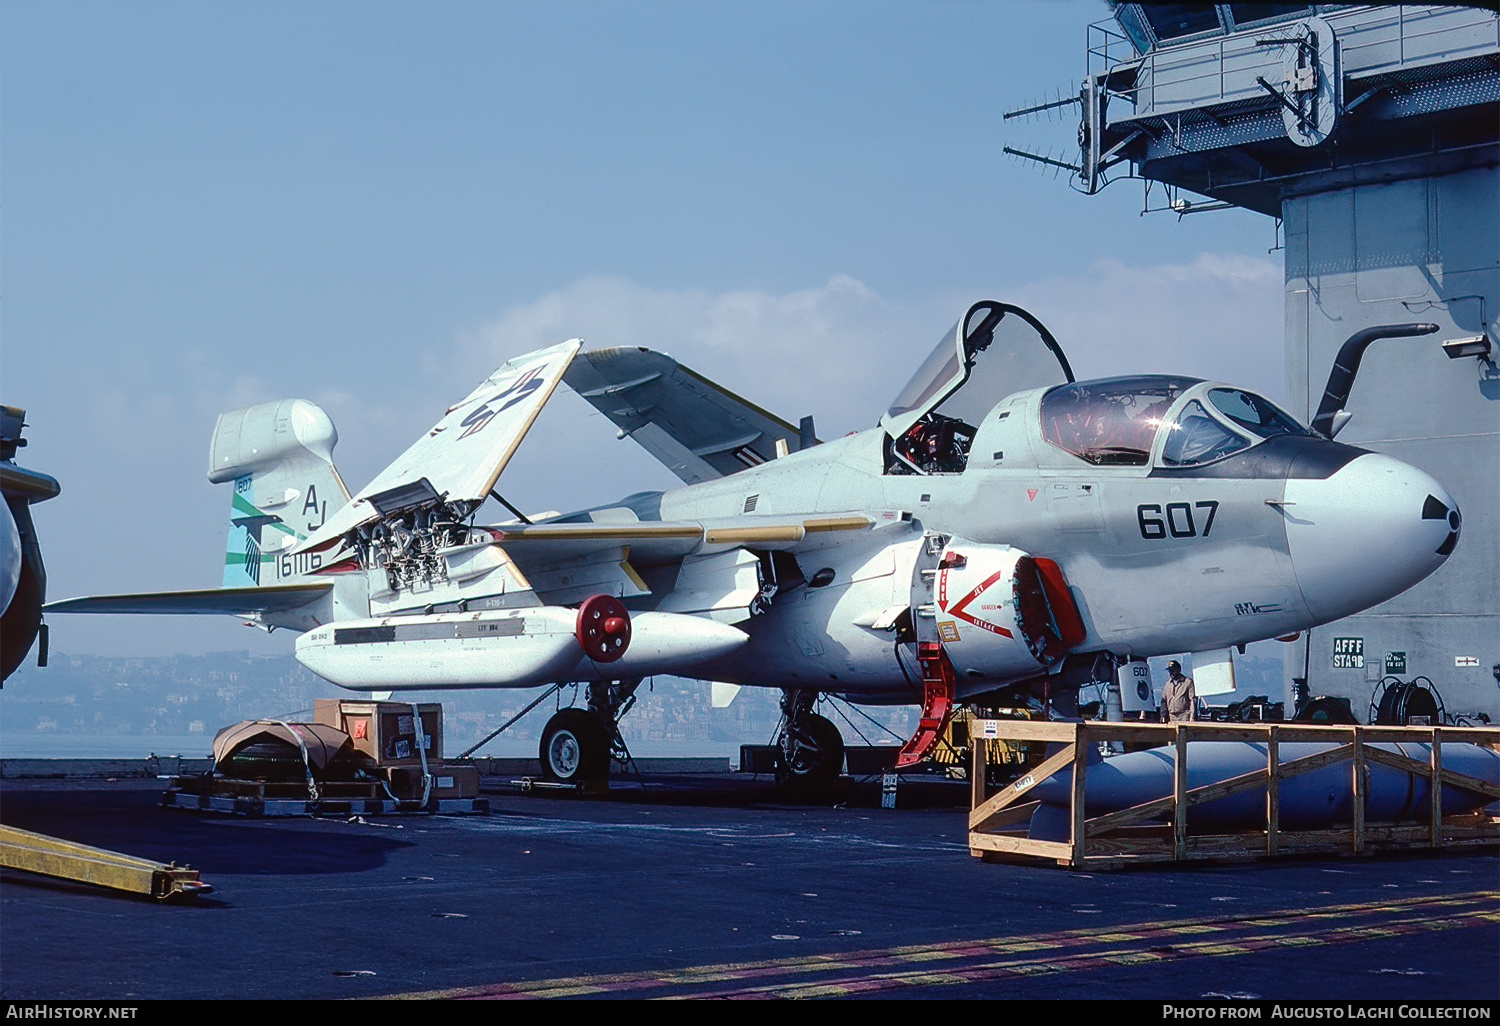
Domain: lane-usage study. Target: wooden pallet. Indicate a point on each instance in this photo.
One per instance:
(276, 789)
(255, 808)
(214, 793)
(998, 822)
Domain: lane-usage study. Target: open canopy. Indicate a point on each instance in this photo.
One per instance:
(994, 350)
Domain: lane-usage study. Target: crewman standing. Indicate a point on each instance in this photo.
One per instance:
(1179, 700)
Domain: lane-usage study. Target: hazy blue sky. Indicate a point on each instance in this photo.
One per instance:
(372, 205)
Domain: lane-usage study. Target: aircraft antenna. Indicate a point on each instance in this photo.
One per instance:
(1048, 161)
(1050, 105)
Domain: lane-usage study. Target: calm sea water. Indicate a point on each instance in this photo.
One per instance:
(49, 745)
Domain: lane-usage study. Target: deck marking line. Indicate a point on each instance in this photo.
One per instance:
(899, 980)
(1000, 971)
(906, 954)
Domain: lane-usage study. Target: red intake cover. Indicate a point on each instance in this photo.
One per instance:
(603, 628)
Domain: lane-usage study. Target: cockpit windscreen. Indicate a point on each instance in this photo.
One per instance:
(1253, 413)
(1111, 422)
(1196, 438)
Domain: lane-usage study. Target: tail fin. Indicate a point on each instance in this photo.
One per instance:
(280, 457)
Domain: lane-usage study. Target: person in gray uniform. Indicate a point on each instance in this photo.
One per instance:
(1179, 700)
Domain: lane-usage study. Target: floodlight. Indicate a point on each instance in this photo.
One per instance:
(1470, 345)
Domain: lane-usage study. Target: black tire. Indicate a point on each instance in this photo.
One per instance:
(816, 759)
(574, 748)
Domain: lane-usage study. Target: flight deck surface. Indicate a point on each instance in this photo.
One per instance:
(712, 887)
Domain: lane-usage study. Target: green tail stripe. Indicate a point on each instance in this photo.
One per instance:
(238, 558)
(245, 507)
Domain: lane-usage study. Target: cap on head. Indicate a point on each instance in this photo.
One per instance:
(1174, 666)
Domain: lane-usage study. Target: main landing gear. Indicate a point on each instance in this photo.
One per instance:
(812, 750)
(578, 744)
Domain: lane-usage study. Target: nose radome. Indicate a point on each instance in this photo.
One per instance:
(1367, 533)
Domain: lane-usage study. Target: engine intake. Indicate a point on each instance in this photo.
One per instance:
(1002, 612)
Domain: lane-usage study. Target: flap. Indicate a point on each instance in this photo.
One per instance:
(662, 541)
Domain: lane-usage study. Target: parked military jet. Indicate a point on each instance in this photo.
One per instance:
(1005, 532)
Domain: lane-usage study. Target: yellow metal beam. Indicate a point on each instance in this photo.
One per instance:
(52, 856)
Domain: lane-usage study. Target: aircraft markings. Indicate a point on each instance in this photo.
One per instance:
(1176, 520)
(877, 970)
(958, 609)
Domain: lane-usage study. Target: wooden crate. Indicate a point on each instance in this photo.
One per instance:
(998, 822)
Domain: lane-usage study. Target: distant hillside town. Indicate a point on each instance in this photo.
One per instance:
(192, 696)
(197, 695)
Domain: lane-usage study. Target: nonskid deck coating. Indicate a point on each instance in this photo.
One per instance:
(711, 888)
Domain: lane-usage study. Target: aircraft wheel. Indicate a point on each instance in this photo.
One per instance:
(574, 748)
(813, 757)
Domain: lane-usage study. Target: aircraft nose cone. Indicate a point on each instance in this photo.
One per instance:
(1367, 533)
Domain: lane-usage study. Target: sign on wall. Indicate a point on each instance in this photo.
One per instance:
(1348, 653)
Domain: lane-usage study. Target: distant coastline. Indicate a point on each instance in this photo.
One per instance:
(51, 745)
(36, 744)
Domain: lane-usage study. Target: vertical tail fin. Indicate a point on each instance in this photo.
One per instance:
(280, 457)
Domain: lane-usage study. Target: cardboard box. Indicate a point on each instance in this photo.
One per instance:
(385, 731)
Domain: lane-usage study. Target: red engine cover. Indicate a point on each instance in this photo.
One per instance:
(1046, 613)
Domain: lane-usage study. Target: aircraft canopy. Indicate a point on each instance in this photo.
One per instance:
(1117, 421)
(994, 350)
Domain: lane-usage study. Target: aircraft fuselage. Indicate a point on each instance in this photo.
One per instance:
(1291, 533)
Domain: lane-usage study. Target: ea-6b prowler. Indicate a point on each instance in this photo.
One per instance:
(1005, 531)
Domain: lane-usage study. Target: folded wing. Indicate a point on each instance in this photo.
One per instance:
(697, 429)
(459, 460)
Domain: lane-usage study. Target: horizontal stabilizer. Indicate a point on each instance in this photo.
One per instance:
(697, 429)
(462, 456)
(276, 598)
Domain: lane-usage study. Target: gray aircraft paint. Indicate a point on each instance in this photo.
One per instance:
(1390, 212)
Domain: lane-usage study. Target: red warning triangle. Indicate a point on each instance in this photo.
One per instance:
(1031, 495)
